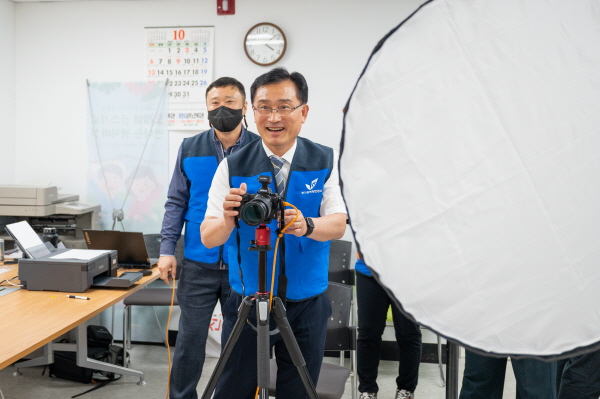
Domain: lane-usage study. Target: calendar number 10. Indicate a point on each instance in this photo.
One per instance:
(178, 34)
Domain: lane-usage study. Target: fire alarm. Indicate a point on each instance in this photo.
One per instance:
(225, 7)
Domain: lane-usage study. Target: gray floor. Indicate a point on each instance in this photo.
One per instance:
(151, 359)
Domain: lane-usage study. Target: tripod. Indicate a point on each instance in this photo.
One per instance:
(260, 301)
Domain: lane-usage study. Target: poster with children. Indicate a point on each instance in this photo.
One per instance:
(128, 154)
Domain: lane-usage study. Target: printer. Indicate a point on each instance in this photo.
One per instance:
(47, 273)
(67, 270)
(44, 206)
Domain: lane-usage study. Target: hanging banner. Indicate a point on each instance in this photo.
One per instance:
(128, 153)
(184, 56)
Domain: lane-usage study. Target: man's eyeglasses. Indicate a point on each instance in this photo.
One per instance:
(282, 110)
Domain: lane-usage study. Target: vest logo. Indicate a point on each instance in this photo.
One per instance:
(311, 186)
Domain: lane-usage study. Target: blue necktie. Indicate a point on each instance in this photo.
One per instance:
(278, 165)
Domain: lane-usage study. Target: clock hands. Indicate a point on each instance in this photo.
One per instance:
(272, 49)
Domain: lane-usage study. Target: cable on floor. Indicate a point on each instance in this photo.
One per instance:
(167, 340)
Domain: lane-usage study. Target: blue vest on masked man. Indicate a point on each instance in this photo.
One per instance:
(199, 162)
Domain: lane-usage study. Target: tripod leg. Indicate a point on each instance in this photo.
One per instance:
(243, 313)
(263, 345)
(292, 346)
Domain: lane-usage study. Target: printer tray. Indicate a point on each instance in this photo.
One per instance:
(125, 280)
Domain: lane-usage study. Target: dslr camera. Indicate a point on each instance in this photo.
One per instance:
(262, 207)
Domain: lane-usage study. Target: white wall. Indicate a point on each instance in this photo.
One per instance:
(61, 44)
(7, 97)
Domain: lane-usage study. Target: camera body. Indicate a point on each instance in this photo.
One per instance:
(262, 207)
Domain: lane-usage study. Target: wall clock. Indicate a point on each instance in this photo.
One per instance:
(265, 44)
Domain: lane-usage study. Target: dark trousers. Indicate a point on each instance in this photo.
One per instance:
(198, 290)
(373, 303)
(579, 377)
(308, 320)
(484, 377)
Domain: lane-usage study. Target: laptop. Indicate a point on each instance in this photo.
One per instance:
(131, 247)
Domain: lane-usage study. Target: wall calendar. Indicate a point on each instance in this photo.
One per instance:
(184, 56)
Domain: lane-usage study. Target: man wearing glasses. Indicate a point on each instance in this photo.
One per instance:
(305, 174)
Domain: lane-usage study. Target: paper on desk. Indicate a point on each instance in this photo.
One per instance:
(83, 254)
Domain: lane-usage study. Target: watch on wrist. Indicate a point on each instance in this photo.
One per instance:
(310, 226)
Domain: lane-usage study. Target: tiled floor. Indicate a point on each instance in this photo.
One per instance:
(152, 360)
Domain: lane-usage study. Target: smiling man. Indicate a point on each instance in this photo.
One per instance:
(203, 273)
(305, 174)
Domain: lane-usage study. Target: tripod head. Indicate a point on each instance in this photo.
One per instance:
(262, 244)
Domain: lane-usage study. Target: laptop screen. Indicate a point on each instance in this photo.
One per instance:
(131, 246)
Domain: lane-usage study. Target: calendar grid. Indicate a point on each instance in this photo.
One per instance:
(184, 55)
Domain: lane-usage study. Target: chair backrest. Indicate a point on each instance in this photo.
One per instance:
(153, 246)
(340, 254)
(340, 335)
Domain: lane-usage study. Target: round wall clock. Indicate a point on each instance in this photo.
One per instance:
(265, 44)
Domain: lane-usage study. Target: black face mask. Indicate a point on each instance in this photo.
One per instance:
(225, 119)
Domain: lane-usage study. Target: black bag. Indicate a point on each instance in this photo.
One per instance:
(99, 348)
(65, 365)
(99, 336)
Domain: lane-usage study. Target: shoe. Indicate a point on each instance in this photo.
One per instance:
(404, 394)
(367, 395)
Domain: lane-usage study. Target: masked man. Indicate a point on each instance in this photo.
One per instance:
(203, 276)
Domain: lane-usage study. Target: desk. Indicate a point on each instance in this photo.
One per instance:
(32, 319)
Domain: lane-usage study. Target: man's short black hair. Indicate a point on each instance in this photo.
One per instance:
(227, 81)
(278, 75)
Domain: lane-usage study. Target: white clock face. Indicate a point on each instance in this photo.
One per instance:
(265, 44)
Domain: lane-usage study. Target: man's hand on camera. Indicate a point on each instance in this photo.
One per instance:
(167, 265)
(298, 228)
(232, 201)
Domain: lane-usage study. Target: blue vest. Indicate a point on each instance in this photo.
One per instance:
(306, 260)
(362, 268)
(199, 163)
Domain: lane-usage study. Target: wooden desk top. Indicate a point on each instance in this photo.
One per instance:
(31, 319)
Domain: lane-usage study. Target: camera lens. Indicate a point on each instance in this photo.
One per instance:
(254, 212)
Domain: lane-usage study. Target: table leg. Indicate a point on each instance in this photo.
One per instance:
(46, 358)
(84, 361)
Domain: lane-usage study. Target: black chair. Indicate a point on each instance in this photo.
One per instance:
(341, 336)
(340, 271)
(150, 296)
(340, 254)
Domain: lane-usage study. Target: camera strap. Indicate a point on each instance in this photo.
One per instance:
(282, 287)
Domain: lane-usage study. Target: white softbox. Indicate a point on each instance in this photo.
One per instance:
(470, 166)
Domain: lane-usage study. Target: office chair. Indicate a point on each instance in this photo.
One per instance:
(340, 337)
(340, 253)
(149, 296)
(340, 271)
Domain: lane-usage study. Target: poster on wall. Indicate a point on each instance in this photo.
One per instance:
(128, 154)
(182, 56)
